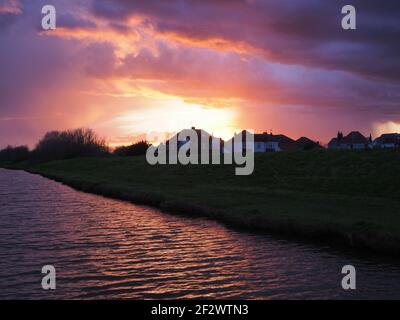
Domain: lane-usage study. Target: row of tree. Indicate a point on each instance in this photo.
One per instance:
(14, 154)
(59, 145)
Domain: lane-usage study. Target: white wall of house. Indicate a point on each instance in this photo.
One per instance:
(259, 146)
(388, 145)
(385, 145)
(266, 146)
(355, 146)
(358, 146)
(274, 146)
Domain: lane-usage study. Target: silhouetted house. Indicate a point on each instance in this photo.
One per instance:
(307, 144)
(354, 140)
(204, 140)
(237, 143)
(388, 140)
(266, 142)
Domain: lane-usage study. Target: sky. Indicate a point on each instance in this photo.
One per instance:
(128, 69)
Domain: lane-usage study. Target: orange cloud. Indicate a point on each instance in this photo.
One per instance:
(10, 6)
(117, 65)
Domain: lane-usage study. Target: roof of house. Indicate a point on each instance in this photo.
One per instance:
(305, 141)
(307, 144)
(388, 138)
(390, 135)
(198, 132)
(269, 137)
(354, 137)
(289, 146)
(333, 141)
(285, 143)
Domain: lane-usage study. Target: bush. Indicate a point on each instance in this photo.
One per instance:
(14, 154)
(312, 146)
(135, 149)
(69, 144)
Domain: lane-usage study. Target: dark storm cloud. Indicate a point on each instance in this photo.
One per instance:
(9, 12)
(6, 20)
(288, 56)
(287, 31)
(71, 21)
(35, 71)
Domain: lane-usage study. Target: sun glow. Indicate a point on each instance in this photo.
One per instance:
(172, 115)
(386, 127)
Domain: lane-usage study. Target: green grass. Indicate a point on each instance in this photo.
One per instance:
(352, 197)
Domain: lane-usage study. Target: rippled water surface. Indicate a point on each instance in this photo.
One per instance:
(103, 248)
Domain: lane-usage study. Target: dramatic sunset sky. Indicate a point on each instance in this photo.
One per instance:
(129, 67)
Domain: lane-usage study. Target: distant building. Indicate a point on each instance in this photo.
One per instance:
(353, 141)
(307, 144)
(204, 140)
(235, 144)
(388, 140)
(266, 142)
(263, 142)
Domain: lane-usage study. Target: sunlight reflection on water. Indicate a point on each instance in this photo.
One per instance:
(103, 248)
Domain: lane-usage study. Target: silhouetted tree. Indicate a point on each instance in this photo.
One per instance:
(311, 146)
(14, 154)
(58, 145)
(135, 149)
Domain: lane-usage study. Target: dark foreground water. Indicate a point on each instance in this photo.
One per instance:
(103, 248)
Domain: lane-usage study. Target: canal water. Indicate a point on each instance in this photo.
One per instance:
(108, 249)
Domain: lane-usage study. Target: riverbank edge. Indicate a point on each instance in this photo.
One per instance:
(332, 234)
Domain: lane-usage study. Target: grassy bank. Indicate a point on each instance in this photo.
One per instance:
(352, 198)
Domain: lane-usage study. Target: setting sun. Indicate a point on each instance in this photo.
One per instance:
(172, 114)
